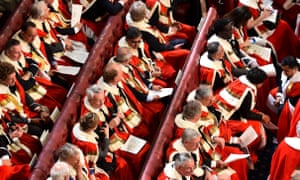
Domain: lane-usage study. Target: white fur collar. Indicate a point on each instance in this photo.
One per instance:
(123, 43)
(206, 62)
(140, 24)
(4, 89)
(191, 96)
(107, 87)
(171, 172)
(296, 77)
(181, 123)
(83, 136)
(5, 58)
(293, 142)
(92, 109)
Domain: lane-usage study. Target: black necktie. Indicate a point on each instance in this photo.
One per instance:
(194, 156)
(140, 52)
(34, 50)
(184, 178)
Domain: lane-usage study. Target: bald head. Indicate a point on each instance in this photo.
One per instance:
(111, 72)
(123, 55)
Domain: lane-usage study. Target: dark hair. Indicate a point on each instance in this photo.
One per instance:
(239, 16)
(212, 48)
(291, 62)
(10, 43)
(5, 70)
(88, 121)
(218, 26)
(27, 25)
(256, 75)
(133, 33)
(191, 109)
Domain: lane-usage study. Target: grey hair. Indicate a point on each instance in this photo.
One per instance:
(189, 134)
(123, 54)
(68, 150)
(92, 90)
(203, 91)
(181, 158)
(37, 9)
(138, 11)
(191, 109)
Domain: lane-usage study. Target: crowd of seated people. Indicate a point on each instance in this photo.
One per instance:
(124, 103)
(236, 84)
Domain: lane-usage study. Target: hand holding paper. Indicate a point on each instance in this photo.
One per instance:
(248, 136)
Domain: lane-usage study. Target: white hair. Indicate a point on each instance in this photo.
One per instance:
(37, 9)
(92, 90)
(60, 170)
(181, 158)
(189, 134)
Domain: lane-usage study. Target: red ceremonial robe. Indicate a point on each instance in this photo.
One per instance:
(163, 10)
(44, 91)
(285, 123)
(141, 61)
(118, 138)
(210, 69)
(169, 173)
(282, 34)
(285, 159)
(175, 57)
(295, 119)
(89, 146)
(117, 101)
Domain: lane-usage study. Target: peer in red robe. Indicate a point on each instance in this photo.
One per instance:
(286, 158)
(155, 70)
(118, 132)
(158, 43)
(161, 14)
(96, 151)
(280, 34)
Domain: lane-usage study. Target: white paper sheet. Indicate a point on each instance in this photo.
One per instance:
(235, 157)
(161, 93)
(178, 77)
(77, 55)
(133, 144)
(273, 16)
(76, 14)
(69, 70)
(54, 115)
(248, 136)
(44, 137)
(263, 52)
(33, 160)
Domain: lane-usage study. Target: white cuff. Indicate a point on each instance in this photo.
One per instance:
(234, 140)
(76, 30)
(213, 164)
